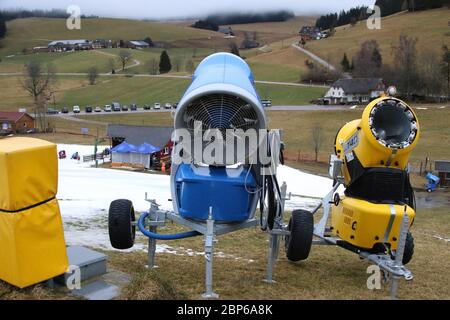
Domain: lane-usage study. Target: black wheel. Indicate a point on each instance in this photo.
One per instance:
(268, 205)
(298, 243)
(409, 249)
(121, 229)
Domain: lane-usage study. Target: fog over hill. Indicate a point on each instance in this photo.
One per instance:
(176, 9)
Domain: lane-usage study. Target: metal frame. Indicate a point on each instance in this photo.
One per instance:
(278, 231)
(394, 268)
(209, 229)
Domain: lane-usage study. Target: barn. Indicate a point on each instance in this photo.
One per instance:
(15, 122)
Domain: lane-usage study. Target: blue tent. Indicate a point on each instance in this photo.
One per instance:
(147, 148)
(124, 147)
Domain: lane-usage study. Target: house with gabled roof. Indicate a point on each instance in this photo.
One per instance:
(354, 90)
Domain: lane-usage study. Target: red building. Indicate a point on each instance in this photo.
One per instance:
(15, 122)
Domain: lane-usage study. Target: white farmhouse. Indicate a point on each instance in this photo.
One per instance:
(356, 90)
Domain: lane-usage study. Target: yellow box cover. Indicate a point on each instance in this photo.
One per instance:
(28, 172)
(32, 245)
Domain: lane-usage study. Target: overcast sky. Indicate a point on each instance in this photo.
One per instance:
(161, 9)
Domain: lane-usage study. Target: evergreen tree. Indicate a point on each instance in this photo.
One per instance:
(164, 63)
(2, 27)
(377, 59)
(345, 63)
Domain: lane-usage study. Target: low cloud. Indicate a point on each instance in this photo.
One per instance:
(184, 8)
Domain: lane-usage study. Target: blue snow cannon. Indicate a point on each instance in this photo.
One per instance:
(222, 96)
(433, 182)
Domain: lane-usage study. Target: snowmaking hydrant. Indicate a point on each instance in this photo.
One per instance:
(374, 215)
(223, 166)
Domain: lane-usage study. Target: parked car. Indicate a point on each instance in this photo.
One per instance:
(88, 109)
(167, 106)
(65, 110)
(133, 107)
(157, 106)
(175, 105)
(124, 107)
(115, 106)
(98, 109)
(52, 111)
(266, 103)
(147, 107)
(76, 109)
(107, 108)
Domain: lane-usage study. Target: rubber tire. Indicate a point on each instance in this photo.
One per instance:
(121, 230)
(272, 205)
(298, 243)
(409, 249)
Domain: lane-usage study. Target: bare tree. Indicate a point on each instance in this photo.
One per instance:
(368, 60)
(124, 57)
(37, 81)
(431, 74)
(234, 48)
(405, 63)
(92, 75)
(152, 66)
(112, 65)
(446, 66)
(317, 140)
(190, 67)
(177, 63)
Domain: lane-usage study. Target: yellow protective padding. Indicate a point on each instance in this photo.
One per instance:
(32, 246)
(363, 224)
(28, 172)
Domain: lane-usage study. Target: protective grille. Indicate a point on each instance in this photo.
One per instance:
(221, 111)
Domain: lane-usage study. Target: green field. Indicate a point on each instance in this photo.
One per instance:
(70, 91)
(79, 61)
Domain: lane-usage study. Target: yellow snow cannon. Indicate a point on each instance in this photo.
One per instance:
(374, 152)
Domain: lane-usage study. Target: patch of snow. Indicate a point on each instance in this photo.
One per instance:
(85, 193)
(442, 238)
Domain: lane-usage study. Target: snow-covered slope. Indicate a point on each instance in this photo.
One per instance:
(85, 193)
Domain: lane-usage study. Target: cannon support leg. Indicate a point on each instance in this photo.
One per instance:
(209, 255)
(151, 250)
(399, 254)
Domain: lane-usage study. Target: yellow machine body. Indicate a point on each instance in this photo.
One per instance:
(354, 219)
(32, 245)
(364, 224)
(370, 152)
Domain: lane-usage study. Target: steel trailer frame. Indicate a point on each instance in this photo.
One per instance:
(392, 268)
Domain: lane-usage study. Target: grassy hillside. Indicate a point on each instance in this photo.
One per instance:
(27, 33)
(71, 91)
(62, 61)
(429, 27)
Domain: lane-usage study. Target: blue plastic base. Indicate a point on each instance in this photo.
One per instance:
(229, 192)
